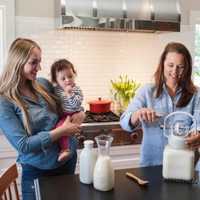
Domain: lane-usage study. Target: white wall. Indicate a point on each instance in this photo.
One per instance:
(186, 7)
(98, 56)
(101, 56)
(35, 8)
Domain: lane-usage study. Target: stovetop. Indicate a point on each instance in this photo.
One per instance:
(100, 121)
(102, 117)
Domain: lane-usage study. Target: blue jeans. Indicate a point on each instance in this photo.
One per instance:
(29, 173)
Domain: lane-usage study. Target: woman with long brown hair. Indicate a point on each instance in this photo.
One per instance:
(173, 90)
(28, 114)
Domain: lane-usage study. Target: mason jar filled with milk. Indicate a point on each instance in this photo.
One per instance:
(88, 158)
(103, 179)
(178, 160)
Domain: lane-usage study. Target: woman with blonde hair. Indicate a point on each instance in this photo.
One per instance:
(29, 112)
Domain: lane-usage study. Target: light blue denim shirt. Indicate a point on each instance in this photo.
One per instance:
(37, 150)
(153, 141)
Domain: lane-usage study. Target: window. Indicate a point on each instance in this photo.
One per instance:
(197, 55)
(2, 35)
(195, 22)
(7, 27)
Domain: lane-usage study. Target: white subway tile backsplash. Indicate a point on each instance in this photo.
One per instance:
(97, 56)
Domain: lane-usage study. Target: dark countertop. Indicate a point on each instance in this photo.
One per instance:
(68, 187)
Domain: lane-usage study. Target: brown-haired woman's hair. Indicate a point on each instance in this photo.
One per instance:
(60, 65)
(185, 83)
(11, 77)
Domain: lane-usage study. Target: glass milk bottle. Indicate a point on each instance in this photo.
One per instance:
(178, 160)
(103, 179)
(87, 162)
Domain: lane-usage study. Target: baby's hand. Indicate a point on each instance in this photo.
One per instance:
(68, 89)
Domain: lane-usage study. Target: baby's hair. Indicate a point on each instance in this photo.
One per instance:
(60, 65)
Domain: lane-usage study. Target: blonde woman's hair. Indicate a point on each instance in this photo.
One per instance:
(11, 77)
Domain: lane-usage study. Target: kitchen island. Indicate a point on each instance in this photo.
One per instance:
(68, 187)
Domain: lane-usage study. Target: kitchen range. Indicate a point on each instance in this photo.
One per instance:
(107, 123)
(101, 120)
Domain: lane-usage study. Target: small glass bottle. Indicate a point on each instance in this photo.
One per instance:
(103, 171)
(87, 162)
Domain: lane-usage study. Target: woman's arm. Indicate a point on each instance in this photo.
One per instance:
(138, 111)
(193, 140)
(127, 121)
(12, 127)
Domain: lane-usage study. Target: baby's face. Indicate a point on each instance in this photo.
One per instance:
(65, 78)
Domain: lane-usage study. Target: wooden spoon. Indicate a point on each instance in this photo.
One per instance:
(139, 180)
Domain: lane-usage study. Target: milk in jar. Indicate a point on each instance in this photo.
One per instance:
(178, 160)
(103, 179)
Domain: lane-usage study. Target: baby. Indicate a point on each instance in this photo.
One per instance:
(63, 78)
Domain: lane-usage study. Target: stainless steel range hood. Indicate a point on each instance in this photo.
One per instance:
(121, 15)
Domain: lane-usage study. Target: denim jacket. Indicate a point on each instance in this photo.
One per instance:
(37, 149)
(153, 141)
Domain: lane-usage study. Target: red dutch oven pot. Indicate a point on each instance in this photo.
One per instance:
(100, 106)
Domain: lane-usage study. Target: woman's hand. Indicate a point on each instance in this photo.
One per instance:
(70, 128)
(78, 117)
(66, 129)
(193, 141)
(143, 114)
